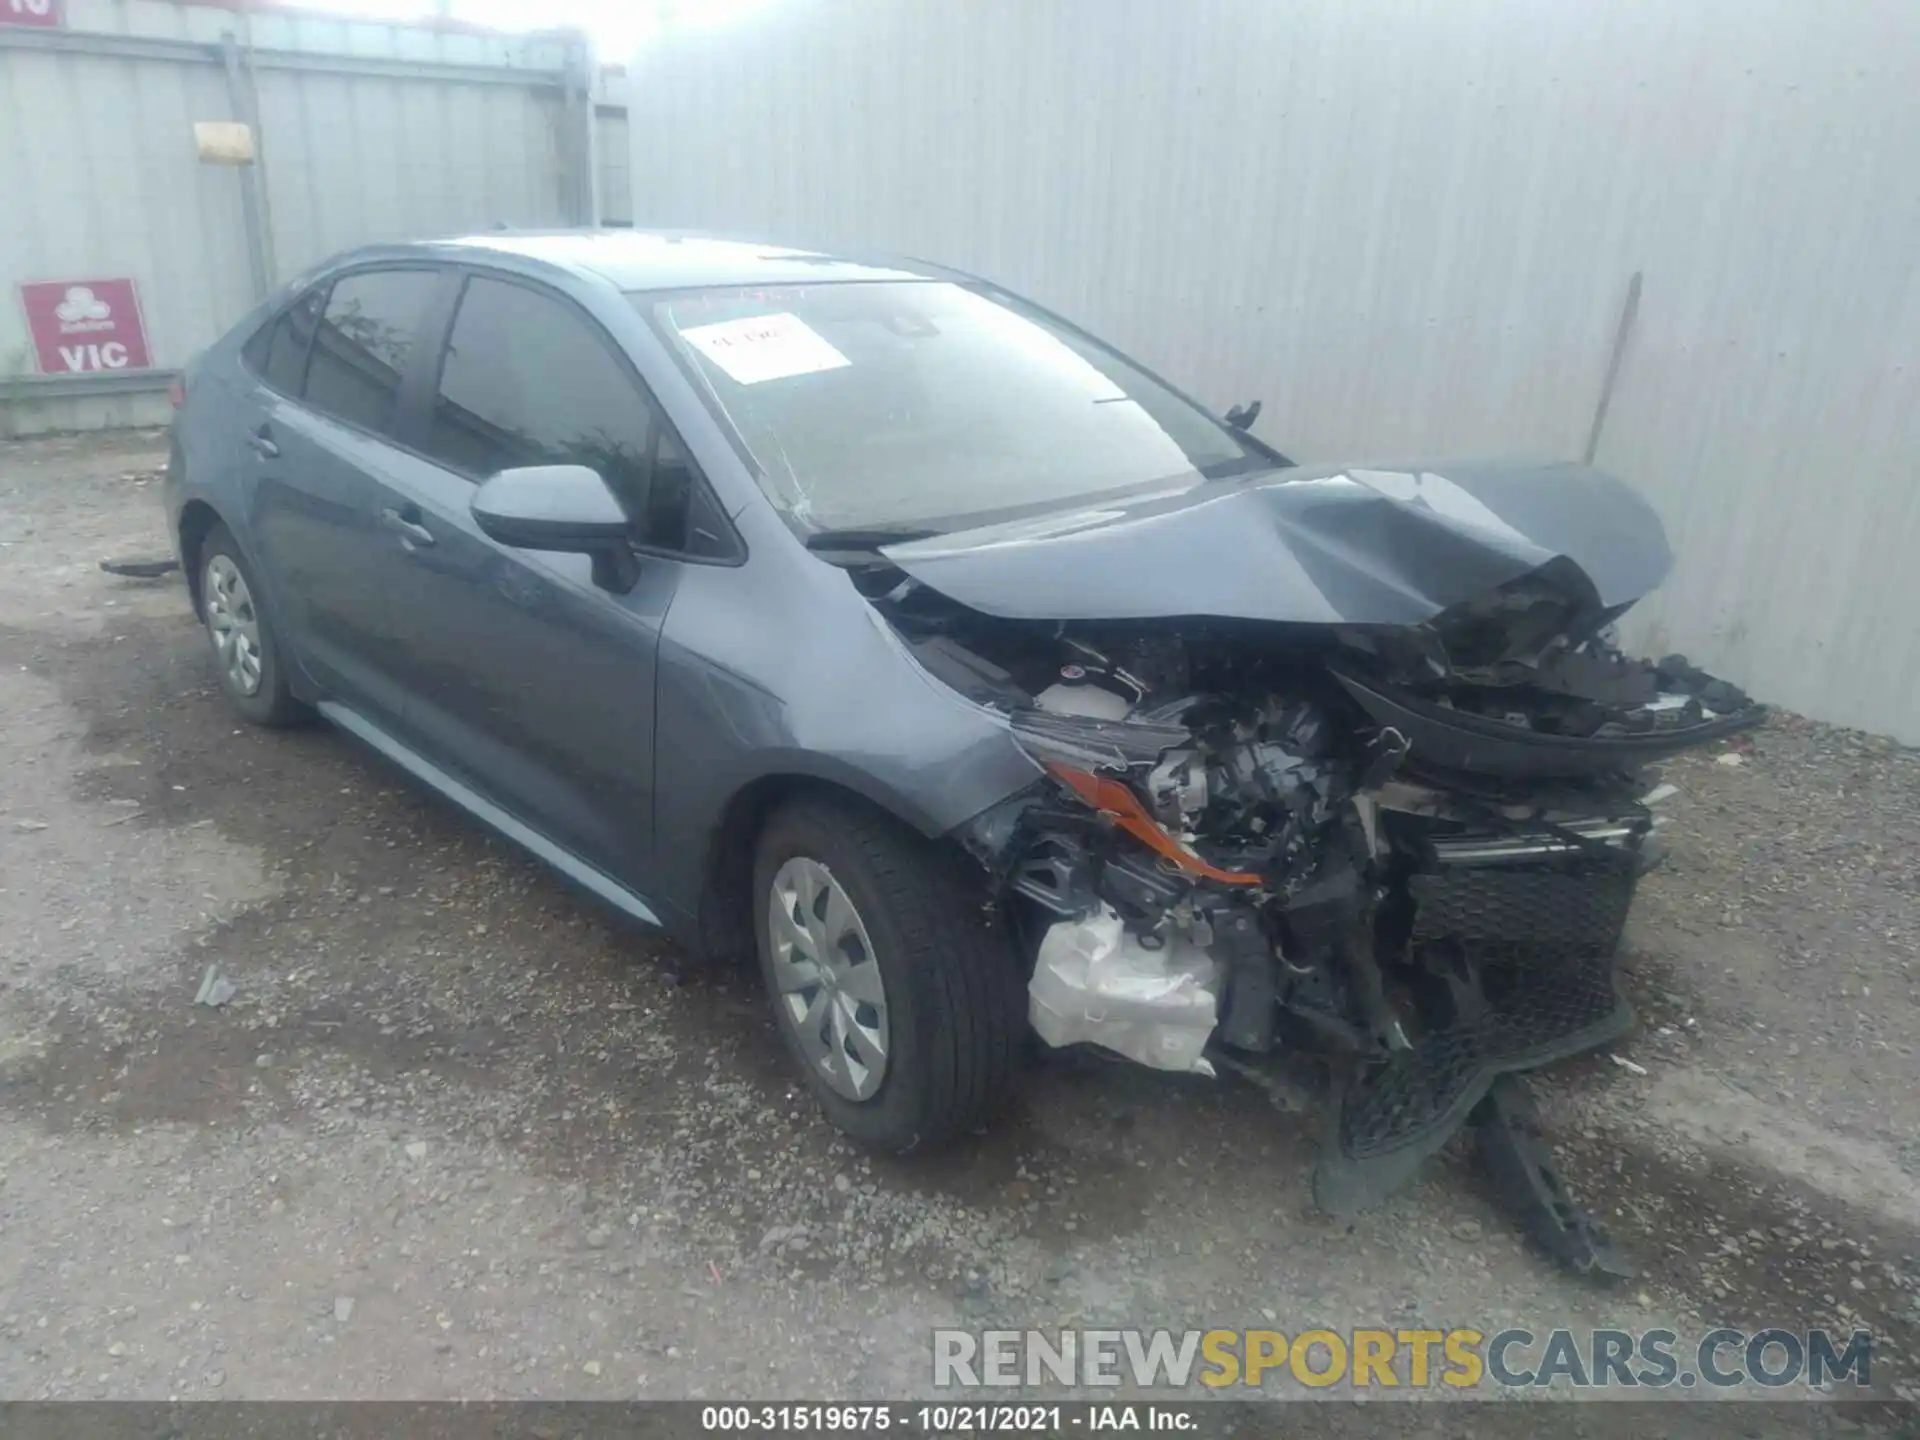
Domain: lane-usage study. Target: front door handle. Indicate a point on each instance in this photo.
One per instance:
(262, 442)
(406, 524)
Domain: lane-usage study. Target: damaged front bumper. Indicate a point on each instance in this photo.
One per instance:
(1132, 941)
(1410, 854)
(1476, 745)
(1511, 944)
(1435, 945)
(1394, 1112)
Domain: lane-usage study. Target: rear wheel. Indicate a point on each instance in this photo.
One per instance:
(246, 651)
(893, 984)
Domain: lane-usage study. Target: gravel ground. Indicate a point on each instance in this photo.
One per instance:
(461, 1133)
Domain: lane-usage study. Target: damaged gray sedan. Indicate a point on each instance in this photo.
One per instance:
(871, 620)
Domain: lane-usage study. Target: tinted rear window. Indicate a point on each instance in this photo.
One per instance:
(371, 323)
(254, 352)
(277, 353)
(286, 368)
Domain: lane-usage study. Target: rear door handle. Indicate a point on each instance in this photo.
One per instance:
(405, 522)
(262, 442)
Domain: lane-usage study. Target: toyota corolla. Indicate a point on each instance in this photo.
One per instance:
(869, 620)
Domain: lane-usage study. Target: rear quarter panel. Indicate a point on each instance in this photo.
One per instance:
(212, 463)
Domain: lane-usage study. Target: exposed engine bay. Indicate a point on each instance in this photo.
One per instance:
(1409, 849)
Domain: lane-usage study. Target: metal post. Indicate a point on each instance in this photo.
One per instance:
(1629, 311)
(252, 212)
(590, 127)
(584, 151)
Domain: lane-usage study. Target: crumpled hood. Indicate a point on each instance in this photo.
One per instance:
(1305, 546)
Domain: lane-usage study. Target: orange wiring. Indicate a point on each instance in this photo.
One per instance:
(1110, 797)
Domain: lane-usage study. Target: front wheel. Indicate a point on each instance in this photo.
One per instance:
(893, 984)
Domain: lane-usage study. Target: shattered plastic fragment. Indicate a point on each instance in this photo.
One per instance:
(141, 568)
(1096, 984)
(215, 989)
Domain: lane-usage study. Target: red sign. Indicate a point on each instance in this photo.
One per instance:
(82, 326)
(30, 12)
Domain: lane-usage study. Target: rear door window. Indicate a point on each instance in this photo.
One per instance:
(277, 353)
(365, 337)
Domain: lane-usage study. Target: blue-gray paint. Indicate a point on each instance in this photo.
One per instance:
(483, 809)
(614, 728)
(608, 721)
(1326, 546)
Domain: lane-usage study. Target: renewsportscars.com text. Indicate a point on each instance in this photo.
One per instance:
(1462, 1359)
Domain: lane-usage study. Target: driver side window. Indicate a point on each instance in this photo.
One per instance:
(526, 380)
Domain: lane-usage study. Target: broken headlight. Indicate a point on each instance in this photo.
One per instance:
(1094, 760)
(1092, 743)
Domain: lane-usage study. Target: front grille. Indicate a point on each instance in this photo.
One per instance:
(1551, 1015)
(1519, 912)
(1396, 1113)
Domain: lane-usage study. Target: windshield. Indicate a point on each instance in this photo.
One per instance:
(914, 404)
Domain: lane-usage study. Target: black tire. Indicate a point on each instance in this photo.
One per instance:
(954, 992)
(272, 703)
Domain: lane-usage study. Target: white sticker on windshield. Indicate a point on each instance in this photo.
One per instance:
(765, 347)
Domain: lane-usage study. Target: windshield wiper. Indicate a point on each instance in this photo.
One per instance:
(871, 539)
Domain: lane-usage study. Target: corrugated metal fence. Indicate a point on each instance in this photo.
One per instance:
(1411, 228)
(366, 131)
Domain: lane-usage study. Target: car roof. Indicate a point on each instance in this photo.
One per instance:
(639, 260)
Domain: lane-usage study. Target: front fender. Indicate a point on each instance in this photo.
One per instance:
(793, 674)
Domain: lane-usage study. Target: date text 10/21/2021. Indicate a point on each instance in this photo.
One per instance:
(946, 1419)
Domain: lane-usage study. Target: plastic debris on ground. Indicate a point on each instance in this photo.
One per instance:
(1095, 984)
(141, 568)
(215, 989)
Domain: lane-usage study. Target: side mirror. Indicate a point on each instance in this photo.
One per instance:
(1241, 417)
(565, 508)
